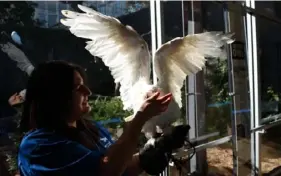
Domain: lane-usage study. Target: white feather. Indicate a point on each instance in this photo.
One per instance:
(17, 55)
(184, 56)
(22, 94)
(127, 56)
(120, 48)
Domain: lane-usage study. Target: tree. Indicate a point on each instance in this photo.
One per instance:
(216, 89)
(133, 6)
(17, 13)
(216, 81)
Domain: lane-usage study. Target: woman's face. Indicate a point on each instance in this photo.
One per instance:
(80, 97)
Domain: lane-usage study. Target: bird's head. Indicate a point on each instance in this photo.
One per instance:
(16, 38)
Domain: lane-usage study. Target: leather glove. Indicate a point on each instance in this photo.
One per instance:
(172, 138)
(153, 160)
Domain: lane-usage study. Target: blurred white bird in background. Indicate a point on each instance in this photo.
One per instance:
(16, 38)
(17, 55)
(127, 55)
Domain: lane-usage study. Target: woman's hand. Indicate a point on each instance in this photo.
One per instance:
(15, 99)
(154, 105)
(116, 159)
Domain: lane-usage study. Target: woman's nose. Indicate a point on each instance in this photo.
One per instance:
(85, 89)
(88, 91)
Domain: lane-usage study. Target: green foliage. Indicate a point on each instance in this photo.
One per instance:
(271, 95)
(105, 108)
(270, 103)
(11, 152)
(216, 89)
(216, 81)
(218, 118)
(12, 156)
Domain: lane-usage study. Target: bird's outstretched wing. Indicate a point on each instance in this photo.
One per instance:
(18, 55)
(120, 48)
(184, 56)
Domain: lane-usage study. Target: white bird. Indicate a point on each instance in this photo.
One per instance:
(20, 58)
(16, 38)
(127, 55)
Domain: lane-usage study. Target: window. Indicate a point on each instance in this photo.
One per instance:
(52, 20)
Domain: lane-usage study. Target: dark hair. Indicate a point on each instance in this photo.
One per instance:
(48, 101)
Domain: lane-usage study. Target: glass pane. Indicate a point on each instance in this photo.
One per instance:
(52, 7)
(218, 81)
(41, 5)
(63, 5)
(218, 110)
(241, 98)
(269, 49)
(269, 57)
(268, 7)
(52, 20)
(40, 13)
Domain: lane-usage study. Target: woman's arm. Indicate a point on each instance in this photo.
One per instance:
(134, 168)
(119, 156)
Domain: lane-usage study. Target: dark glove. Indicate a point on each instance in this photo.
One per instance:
(153, 160)
(172, 138)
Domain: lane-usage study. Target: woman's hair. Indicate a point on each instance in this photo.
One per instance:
(48, 101)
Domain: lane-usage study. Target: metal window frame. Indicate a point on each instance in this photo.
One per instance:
(231, 88)
(247, 9)
(251, 48)
(252, 11)
(153, 36)
(156, 39)
(253, 70)
(190, 94)
(255, 113)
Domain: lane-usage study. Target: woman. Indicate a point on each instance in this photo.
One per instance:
(60, 142)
